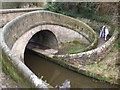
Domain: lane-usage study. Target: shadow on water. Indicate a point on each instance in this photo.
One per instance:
(57, 75)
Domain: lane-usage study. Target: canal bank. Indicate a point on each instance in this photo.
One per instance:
(104, 70)
(56, 74)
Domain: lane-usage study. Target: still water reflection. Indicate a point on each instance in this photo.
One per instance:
(57, 75)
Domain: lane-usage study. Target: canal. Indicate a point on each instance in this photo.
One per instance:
(57, 75)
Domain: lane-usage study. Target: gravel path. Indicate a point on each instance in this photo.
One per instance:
(101, 41)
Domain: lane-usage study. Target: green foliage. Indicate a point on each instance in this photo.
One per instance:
(78, 9)
(34, 3)
(91, 65)
(101, 17)
(55, 57)
(72, 47)
(86, 7)
(111, 50)
(54, 7)
(118, 82)
(76, 42)
(117, 45)
(9, 71)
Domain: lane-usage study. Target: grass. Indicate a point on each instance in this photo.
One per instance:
(92, 16)
(55, 57)
(72, 47)
(117, 45)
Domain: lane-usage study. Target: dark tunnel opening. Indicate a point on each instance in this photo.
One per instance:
(44, 39)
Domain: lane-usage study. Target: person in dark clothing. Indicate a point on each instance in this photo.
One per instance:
(103, 32)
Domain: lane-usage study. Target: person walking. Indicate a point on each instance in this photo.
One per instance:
(103, 32)
(106, 33)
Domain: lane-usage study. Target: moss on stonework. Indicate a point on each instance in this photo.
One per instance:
(101, 77)
(94, 69)
(90, 74)
(118, 82)
(72, 47)
(55, 57)
(15, 38)
(9, 71)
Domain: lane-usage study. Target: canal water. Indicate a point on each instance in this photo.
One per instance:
(57, 75)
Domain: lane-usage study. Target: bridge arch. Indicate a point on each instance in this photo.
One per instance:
(53, 34)
(33, 22)
(45, 38)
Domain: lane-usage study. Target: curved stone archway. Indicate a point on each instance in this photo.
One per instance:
(45, 38)
(58, 33)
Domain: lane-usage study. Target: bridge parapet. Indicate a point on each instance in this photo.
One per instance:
(22, 24)
(9, 14)
(92, 56)
(14, 29)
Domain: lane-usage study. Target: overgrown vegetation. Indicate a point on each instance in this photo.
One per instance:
(72, 47)
(117, 45)
(95, 11)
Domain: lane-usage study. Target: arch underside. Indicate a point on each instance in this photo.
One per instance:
(45, 38)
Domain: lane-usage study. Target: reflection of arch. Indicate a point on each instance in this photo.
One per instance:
(45, 38)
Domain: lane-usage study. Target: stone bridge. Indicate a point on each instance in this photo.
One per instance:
(58, 34)
(57, 28)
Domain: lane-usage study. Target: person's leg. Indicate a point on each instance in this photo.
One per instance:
(100, 34)
(105, 37)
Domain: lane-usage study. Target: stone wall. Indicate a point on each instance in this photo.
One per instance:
(7, 15)
(62, 34)
(12, 64)
(92, 56)
(9, 5)
(23, 23)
